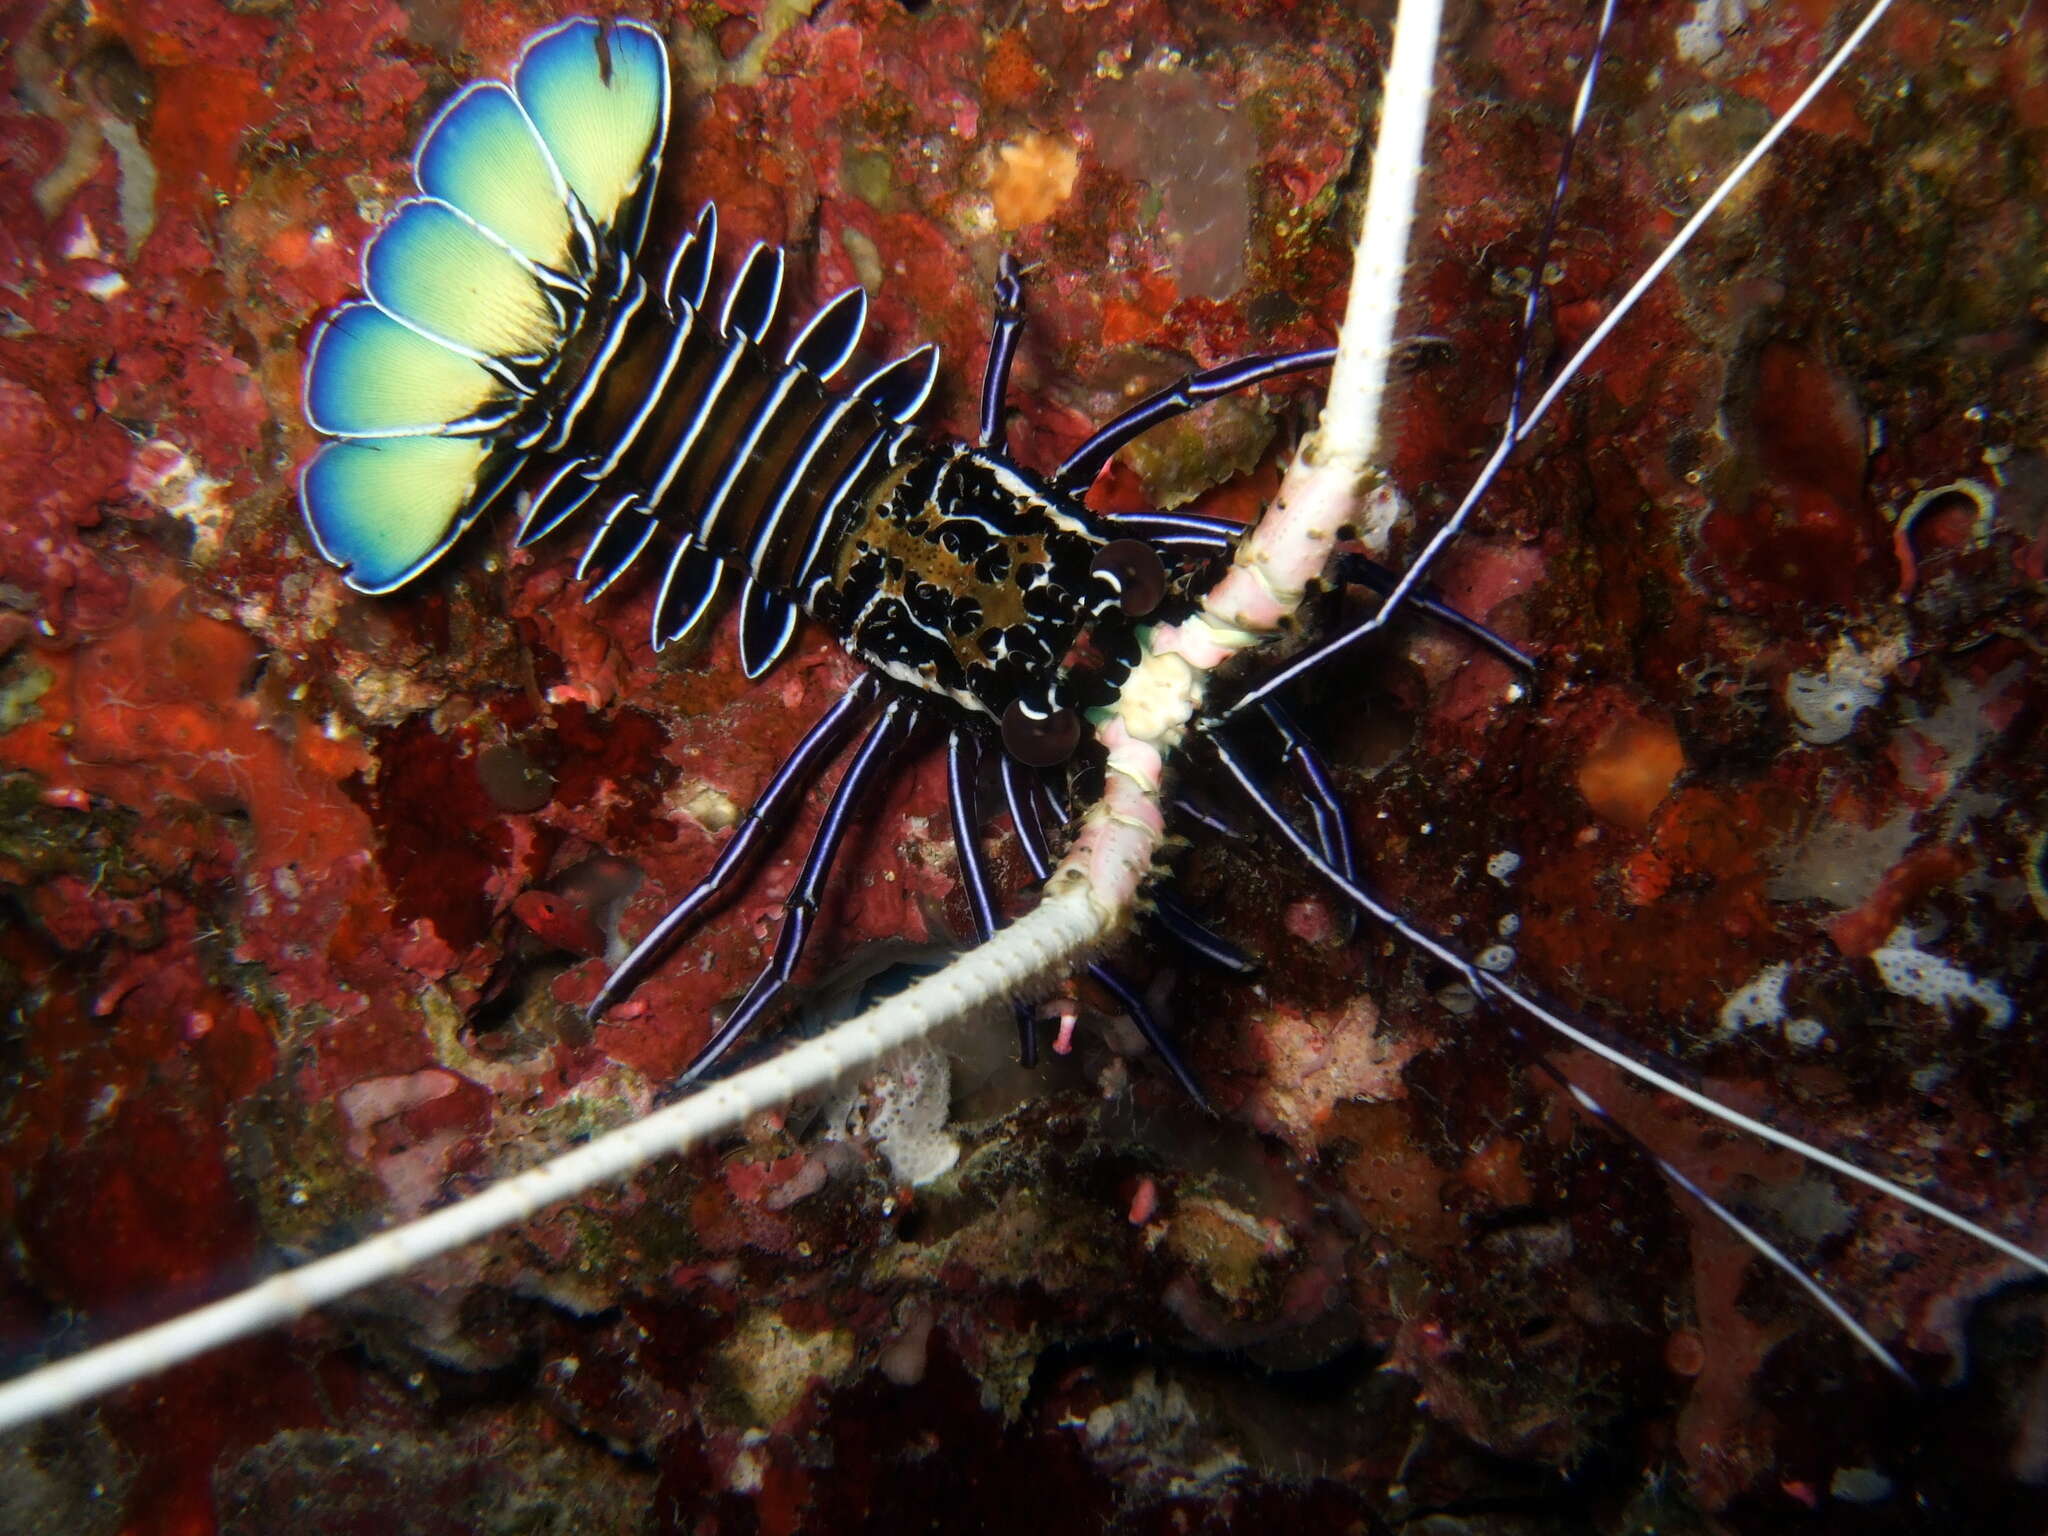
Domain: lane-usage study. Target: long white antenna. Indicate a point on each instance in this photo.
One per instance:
(1022, 956)
(1418, 569)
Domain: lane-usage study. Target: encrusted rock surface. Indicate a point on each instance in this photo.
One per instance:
(303, 891)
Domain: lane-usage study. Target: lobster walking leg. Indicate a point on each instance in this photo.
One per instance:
(1192, 934)
(1085, 462)
(963, 768)
(1002, 353)
(800, 907)
(1358, 570)
(1492, 991)
(1168, 910)
(1193, 532)
(1325, 806)
(963, 764)
(1031, 836)
(1518, 425)
(1181, 531)
(817, 747)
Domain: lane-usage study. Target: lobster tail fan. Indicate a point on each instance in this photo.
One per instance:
(482, 156)
(385, 509)
(412, 382)
(530, 192)
(368, 375)
(435, 269)
(598, 94)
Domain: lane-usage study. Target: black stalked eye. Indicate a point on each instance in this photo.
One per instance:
(1040, 741)
(1134, 566)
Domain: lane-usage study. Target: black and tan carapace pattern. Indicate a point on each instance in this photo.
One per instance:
(960, 574)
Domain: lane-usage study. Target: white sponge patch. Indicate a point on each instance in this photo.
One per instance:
(1825, 705)
(902, 1107)
(1758, 1003)
(1909, 971)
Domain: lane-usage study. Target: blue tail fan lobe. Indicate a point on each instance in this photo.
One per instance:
(368, 375)
(386, 509)
(483, 156)
(437, 270)
(598, 93)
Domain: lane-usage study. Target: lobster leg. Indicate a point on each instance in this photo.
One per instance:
(1362, 571)
(819, 744)
(1168, 910)
(1017, 795)
(1086, 461)
(1032, 837)
(1201, 815)
(1002, 353)
(1214, 535)
(963, 762)
(1326, 809)
(1182, 530)
(1192, 934)
(1518, 424)
(800, 907)
(963, 759)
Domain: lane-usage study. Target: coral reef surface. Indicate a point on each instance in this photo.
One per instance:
(302, 892)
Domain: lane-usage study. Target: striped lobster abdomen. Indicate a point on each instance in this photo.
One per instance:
(687, 436)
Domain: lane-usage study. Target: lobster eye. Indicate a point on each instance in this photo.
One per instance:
(1133, 565)
(1040, 741)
